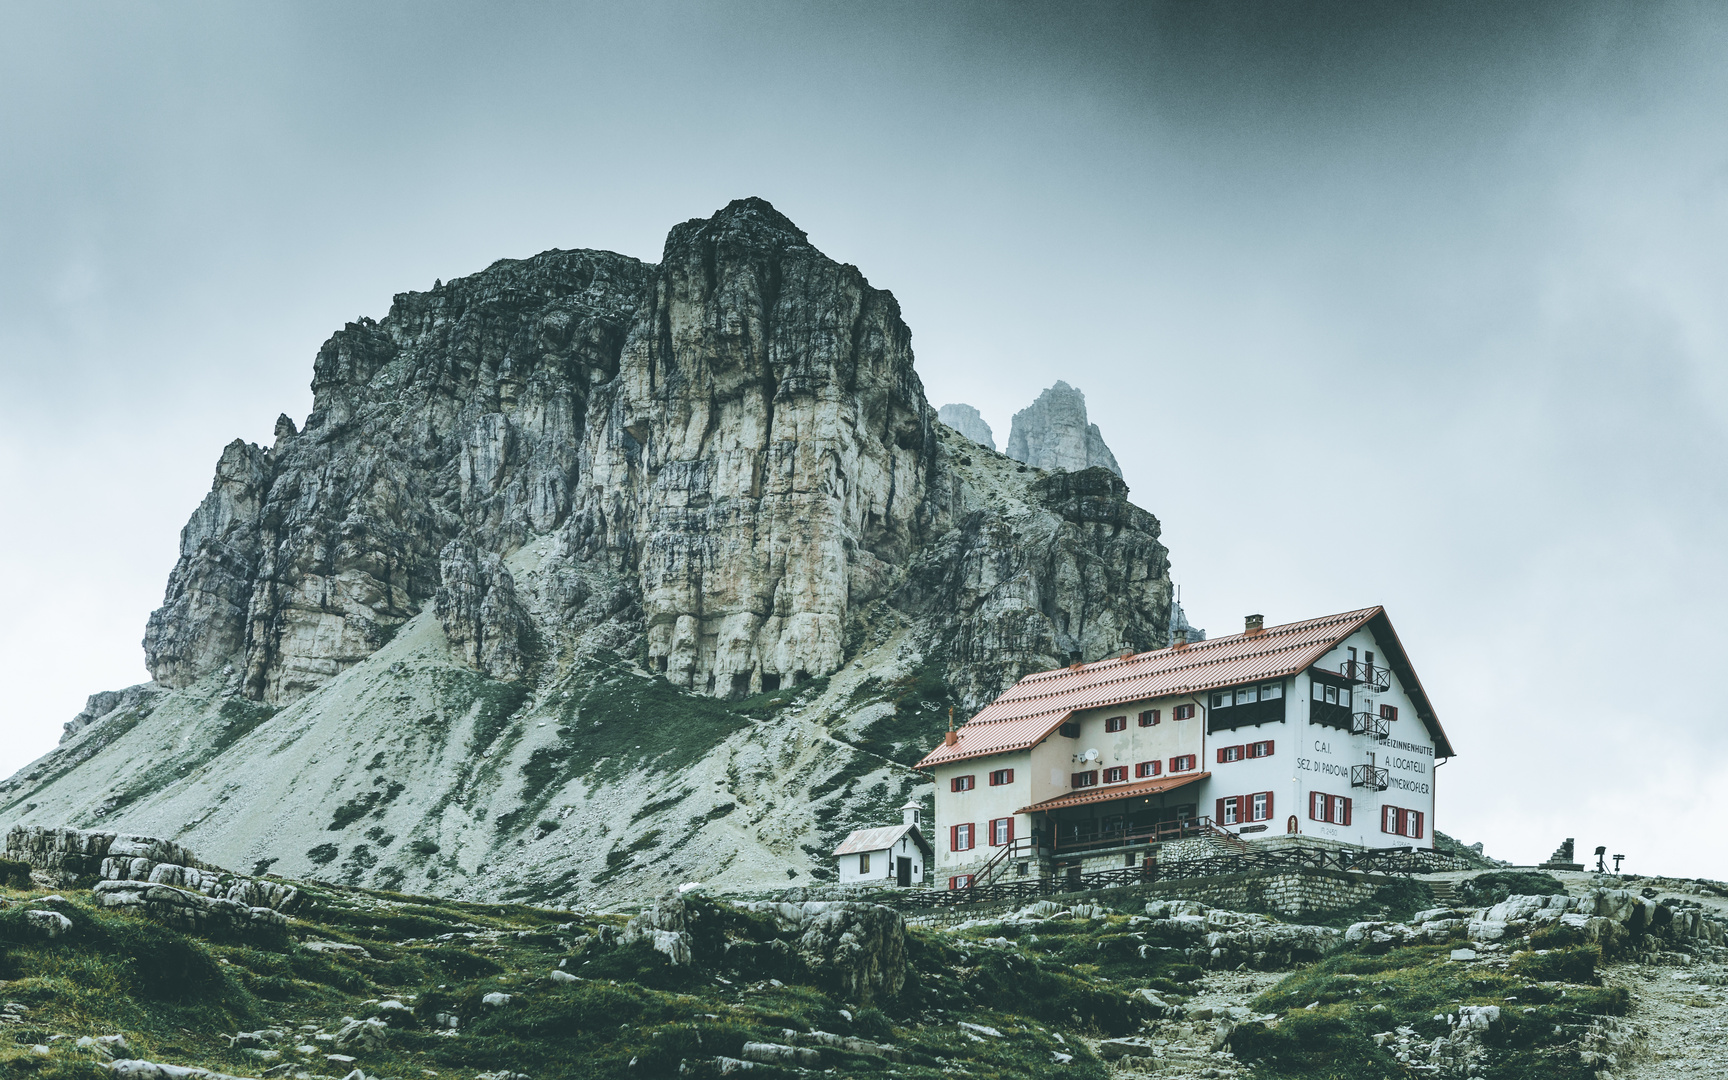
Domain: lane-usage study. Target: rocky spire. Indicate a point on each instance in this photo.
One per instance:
(965, 420)
(1053, 433)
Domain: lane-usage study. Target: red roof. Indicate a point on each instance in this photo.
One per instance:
(1031, 709)
(1114, 792)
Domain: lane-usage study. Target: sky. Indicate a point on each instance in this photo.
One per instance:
(1418, 304)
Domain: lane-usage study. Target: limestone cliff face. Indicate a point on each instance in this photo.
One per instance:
(967, 421)
(1053, 433)
(580, 552)
(459, 415)
(763, 460)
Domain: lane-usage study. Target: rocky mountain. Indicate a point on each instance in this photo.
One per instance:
(1053, 433)
(585, 576)
(965, 420)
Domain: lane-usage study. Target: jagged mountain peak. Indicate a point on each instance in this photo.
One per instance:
(579, 554)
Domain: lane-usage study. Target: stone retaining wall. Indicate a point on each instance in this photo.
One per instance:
(1298, 891)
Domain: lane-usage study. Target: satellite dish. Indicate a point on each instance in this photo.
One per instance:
(1090, 755)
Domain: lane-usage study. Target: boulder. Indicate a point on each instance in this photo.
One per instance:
(136, 1069)
(367, 1034)
(191, 911)
(858, 949)
(50, 924)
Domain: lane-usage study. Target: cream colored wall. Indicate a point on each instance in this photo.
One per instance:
(1135, 744)
(979, 807)
(1044, 772)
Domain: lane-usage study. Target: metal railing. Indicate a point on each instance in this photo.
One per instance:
(1068, 841)
(1377, 678)
(1400, 861)
(1367, 723)
(1368, 776)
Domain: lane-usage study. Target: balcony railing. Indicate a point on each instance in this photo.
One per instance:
(1329, 714)
(1068, 838)
(1377, 678)
(1367, 723)
(1368, 776)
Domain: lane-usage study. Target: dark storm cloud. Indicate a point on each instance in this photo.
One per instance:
(1413, 303)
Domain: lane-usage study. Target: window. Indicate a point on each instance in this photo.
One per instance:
(960, 881)
(1401, 822)
(1148, 768)
(1331, 694)
(1083, 779)
(1229, 753)
(1260, 749)
(1116, 723)
(1332, 809)
(1001, 776)
(1271, 691)
(1260, 806)
(864, 863)
(963, 783)
(1183, 712)
(1222, 701)
(1230, 810)
(1182, 763)
(960, 837)
(1247, 695)
(1069, 730)
(1001, 831)
(1116, 775)
(1388, 712)
(1149, 717)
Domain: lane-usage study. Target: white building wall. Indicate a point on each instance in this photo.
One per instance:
(882, 863)
(977, 807)
(1306, 758)
(1320, 759)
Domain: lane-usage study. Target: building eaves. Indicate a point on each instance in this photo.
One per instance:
(1111, 794)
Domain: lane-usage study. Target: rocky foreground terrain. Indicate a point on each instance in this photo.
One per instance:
(117, 963)
(586, 577)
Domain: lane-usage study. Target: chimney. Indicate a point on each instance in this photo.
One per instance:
(909, 814)
(1254, 625)
(949, 738)
(1180, 643)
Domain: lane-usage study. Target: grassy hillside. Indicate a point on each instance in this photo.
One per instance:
(1038, 996)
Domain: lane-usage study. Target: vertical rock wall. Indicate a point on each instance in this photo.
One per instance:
(1053, 433)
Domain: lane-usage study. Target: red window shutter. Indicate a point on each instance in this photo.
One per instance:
(1218, 815)
(1269, 811)
(1268, 752)
(1347, 805)
(1314, 803)
(1419, 816)
(1010, 830)
(1220, 755)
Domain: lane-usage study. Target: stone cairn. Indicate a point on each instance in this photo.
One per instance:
(155, 877)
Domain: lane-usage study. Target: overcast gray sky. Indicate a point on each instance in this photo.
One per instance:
(1407, 303)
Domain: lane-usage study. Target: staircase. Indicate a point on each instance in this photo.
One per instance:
(1445, 893)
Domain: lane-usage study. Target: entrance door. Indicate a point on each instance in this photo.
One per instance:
(903, 872)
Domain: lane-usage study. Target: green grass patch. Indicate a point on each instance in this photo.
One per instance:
(1486, 890)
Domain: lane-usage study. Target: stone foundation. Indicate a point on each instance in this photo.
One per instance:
(1300, 891)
